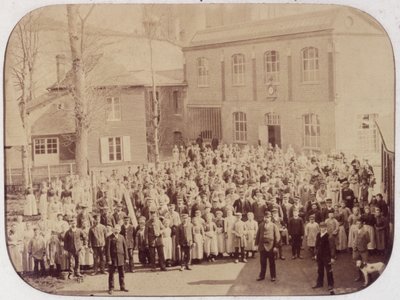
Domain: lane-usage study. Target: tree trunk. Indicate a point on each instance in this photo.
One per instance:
(25, 165)
(79, 92)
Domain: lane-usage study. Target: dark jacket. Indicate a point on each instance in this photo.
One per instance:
(73, 241)
(243, 207)
(184, 235)
(97, 236)
(322, 249)
(267, 240)
(116, 250)
(129, 233)
(296, 226)
(152, 233)
(361, 240)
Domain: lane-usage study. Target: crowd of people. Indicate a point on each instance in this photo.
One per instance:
(206, 204)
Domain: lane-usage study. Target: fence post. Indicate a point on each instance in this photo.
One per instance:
(48, 173)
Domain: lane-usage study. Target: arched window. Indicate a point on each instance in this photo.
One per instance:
(239, 127)
(238, 69)
(271, 66)
(310, 64)
(311, 134)
(202, 71)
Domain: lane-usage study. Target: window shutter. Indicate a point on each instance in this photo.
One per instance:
(104, 151)
(126, 144)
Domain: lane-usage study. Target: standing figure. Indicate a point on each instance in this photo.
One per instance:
(251, 231)
(266, 239)
(229, 223)
(198, 240)
(117, 257)
(210, 238)
(30, 208)
(128, 231)
(311, 231)
(167, 241)
(153, 236)
(296, 232)
(323, 257)
(360, 246)
(97, 242)
(37, 249)
(73, 243)
(219, 222)
(184, 238)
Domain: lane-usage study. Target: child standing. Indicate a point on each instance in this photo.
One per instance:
(239, 231)
(311, 230)
(251, 230)
(167, 241)
(219, 222)
(198, 240)
(210, 238)
(229, 223)
(140, 241)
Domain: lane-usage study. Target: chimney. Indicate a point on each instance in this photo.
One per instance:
(60, 62)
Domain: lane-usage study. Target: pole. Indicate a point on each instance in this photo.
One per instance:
(9, 174)
(48, 172)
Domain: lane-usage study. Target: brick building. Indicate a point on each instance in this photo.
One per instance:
(316, 81)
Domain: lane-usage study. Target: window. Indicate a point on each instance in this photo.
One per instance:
(311, 137)
(202, 69)
(115, 149)
(271, 66)
(310, 64)
(239, 127)
(176, 102)
(272, 119)
(367, 132)
(238, 69)
(113, 109)
(46, 146)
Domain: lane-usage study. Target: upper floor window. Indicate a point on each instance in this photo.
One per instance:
(367, 133)
(239, 127)
(272, 119)
(310, 64)
(202, 71)
(46, 146)
(311, 131)
(113, 109)
(271, 66)
(238, 69)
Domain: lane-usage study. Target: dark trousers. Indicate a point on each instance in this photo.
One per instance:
(121, 276)
(332, 245)
(241, 253)
(37, 263)
(55, 271)
(324, 265)
(74, 265)
(129, 265)
(98, 258)
(263, 263)
(144, 256)
(160, 253)
(296, 245)
(185, 256)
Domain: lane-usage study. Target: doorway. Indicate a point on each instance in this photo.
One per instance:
(274, 135)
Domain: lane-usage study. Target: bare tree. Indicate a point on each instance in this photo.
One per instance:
(24, 46)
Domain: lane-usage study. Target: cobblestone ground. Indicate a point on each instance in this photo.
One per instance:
(294, 277)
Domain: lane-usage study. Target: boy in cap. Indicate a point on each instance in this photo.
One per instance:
(239, 231)
(323, 257)
(296, 232)
(184, 238)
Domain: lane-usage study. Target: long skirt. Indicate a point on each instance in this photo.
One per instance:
(167, 242)
(341, 239)
(64, 262)
(197, 250)
(380, 240)
(372, 244)
(30, 208)
(230, 247)
(27, 260)
(353, 228)
(16, 257)
(221, 242)
(43, 206)
(250, 241)
(211, 244)
(85, 257)
(355, 187)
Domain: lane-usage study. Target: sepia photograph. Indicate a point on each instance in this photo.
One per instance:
(225, 149)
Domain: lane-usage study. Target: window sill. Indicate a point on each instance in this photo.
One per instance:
(311, 82)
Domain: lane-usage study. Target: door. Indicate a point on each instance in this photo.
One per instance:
(274, 135)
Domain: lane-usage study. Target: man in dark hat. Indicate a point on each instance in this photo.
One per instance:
(323, 257)
(128, 231)
(153, 236)
(117, 256)
(97, 242)
(267, 238)
(184, 238)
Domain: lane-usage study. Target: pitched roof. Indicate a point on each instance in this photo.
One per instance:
(315, 21)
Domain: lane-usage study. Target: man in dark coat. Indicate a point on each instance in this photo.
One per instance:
(97, 242)
(323, 257)
(242, 205)
(296, 232)
(348, 195)
(267, 238)
(73, 242)
(128, 231)
(153, 238)
(184, 239)
(117, 256)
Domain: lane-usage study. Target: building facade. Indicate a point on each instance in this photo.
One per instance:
(312, 81)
